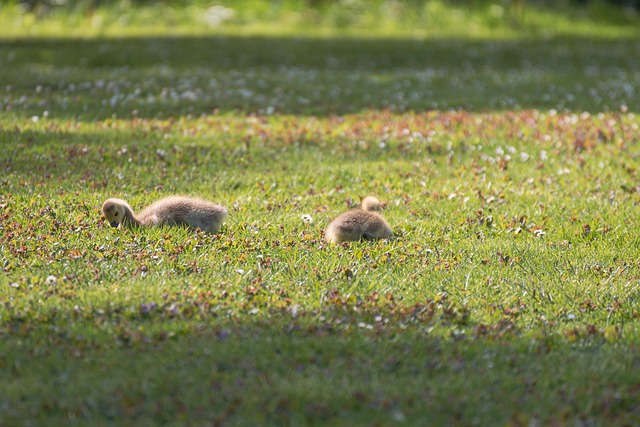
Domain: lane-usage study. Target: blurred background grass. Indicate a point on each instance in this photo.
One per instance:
(416, 18)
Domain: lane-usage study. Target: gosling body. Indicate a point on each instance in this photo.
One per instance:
(359, 223)
(172, 211)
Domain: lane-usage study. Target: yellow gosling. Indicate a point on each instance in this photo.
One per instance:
(173, 210)
(359, 223)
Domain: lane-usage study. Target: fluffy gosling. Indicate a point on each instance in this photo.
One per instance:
(359, 223)
(173, 210)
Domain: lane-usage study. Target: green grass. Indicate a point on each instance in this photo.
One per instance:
(509, 165)
(323, 18)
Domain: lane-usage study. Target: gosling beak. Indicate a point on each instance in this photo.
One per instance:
(114, 223)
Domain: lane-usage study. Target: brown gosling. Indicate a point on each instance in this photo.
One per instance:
(359, 223)
(172, 210)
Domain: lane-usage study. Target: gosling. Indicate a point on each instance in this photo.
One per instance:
(173, 211)
(359, 223)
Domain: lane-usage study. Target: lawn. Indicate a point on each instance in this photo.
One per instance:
(507, 155)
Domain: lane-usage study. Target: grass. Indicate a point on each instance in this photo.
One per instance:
(325, 18)
(509, 165)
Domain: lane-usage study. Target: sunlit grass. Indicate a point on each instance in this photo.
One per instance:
(428, 19)
(514, 231)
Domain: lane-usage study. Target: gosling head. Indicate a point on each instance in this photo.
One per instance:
(371, 203)
(113, 210)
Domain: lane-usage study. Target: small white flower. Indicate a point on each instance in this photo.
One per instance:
(307, 219)
(217, 14)
(51, 280)
(189, 95)
(294, 311)
(399, 416)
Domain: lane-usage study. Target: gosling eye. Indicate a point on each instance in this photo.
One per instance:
(116, 214)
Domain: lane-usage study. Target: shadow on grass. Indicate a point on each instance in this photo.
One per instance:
(176, 76)
(293, 372)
